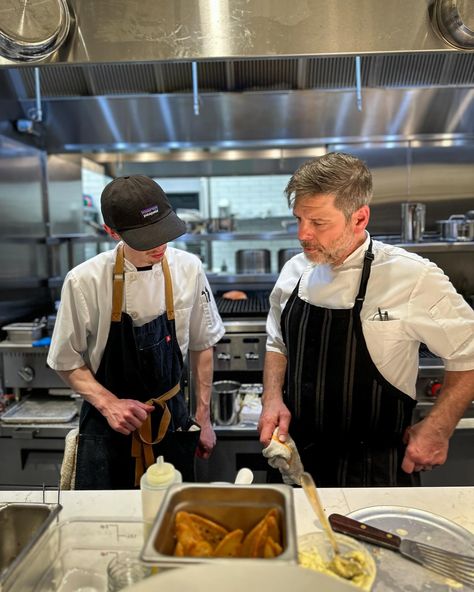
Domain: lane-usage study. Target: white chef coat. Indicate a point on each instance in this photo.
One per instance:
(421, 303)
(83, 321)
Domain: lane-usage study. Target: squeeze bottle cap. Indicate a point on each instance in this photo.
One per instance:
(160, 473)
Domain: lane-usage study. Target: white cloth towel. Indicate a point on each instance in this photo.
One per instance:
(285, 457)
(68, 467)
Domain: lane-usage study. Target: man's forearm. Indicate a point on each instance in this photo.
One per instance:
(202, 367)
(456, 395)
(82, 381)
(273, 376)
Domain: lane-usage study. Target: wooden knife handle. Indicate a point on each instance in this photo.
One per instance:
(364, 532)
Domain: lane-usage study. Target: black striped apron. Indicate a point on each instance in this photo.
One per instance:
(347, 419)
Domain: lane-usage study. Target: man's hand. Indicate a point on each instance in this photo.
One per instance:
(428, 440)
(427, 447)
(125, 415)
(275, 414)
(207, 439)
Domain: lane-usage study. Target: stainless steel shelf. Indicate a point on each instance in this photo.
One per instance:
(24, 282)
(236, 236)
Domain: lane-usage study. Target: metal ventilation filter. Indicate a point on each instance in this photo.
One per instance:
(32, 31)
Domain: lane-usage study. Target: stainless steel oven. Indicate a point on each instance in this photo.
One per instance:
(32, 438)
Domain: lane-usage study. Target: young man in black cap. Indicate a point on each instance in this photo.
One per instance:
(126, 320)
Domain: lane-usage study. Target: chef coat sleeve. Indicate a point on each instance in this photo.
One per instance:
(69, 339)
(205, 325)
(442, 319)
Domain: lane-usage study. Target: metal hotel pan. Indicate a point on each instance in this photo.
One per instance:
(232, 506)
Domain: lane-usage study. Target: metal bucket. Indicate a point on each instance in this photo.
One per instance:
(253, 261)
(225, 402)
(413, 221)
(285, 255)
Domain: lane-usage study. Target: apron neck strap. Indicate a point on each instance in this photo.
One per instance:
(119, 280)
(168, 289)
(368, 258)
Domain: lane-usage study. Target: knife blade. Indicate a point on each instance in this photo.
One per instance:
(447, 563)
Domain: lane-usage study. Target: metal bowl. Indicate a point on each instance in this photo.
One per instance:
(231, 506)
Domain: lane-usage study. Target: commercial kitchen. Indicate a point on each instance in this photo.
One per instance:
(220, 102)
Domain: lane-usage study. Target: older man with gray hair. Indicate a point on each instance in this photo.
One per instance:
(346, 321)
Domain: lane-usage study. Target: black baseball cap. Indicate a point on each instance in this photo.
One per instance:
(137, 208)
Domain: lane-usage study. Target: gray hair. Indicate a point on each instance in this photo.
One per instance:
(335, 173)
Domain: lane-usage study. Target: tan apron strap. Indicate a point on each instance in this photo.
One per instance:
(142, 442)
(168, 290)
(118, 281)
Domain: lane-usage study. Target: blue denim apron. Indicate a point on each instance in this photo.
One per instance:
(144, 363)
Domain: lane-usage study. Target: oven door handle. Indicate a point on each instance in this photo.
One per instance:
(465, 423)
(24, 433)
(423, 408)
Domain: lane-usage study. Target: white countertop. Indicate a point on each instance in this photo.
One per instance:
(453, 503)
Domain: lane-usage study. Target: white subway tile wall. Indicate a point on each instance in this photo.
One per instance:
(248, 197)
(255, 196)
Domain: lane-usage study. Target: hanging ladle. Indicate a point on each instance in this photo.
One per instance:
(345, 566)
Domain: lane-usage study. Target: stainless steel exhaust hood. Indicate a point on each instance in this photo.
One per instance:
(145, 74)
(151, 30)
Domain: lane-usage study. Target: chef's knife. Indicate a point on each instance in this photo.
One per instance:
(449, 564)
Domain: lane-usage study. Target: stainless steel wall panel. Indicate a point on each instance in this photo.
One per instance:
(23, 269)
(65, 194)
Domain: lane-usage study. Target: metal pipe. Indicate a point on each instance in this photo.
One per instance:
(358, 84)
(195, 89)
(39, 111)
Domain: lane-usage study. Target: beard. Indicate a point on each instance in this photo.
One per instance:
(334, 253)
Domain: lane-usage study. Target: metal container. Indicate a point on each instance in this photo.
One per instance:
(457, 228)
(253, 261)
(413, 221)
(22, 525)
(285, 255)
(226, 402)
(232, 506)
(24, 332)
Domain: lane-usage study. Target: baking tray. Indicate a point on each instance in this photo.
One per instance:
(394, 572)
(40, 410)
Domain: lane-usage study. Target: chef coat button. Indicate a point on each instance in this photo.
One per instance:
(134, 315)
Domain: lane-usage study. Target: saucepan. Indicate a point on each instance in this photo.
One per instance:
(457, 228)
